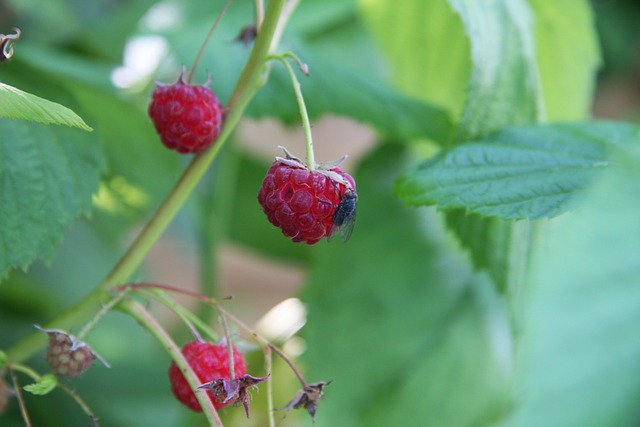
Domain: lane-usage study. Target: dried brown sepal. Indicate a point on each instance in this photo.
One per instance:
(234, 391)
(307, 398)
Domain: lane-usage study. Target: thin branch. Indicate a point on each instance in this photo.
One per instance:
(18, 391)
(206, 40)
(214, 303)
(75, 396)
(268, 364)
(227, 334)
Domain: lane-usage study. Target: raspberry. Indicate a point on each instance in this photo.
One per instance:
(210, 362)
(304, 203)
(187, 118)
(68, 357)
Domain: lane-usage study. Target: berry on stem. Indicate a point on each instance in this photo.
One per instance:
(187, 118)
(307, 205)
(210, 362)
(67, 356)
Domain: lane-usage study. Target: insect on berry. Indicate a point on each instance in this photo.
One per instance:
(308, 205)
(344, 218)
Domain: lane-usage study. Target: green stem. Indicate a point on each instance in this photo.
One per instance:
(145, 318)
(306, 125)
(223, 312)
(25, 370)
(268, 364)
(184, 313)
(263, 341)
(206, 40)
(259, 9)
(18, 391)
(104, 310)
(227, 334)
(81, 403)
(249, 83)
(287, 11)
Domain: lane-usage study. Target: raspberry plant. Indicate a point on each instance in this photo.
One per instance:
(492, 276)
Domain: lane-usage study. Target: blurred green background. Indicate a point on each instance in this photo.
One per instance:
(398, 318)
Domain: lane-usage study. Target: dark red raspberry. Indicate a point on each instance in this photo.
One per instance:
(187, 118)
(303, 202)
(210, 362)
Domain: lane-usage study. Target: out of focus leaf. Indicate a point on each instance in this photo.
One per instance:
(567, 57)
(398, 323)
(47, 177)
(504, 87)
(44, 385)
(580, 344)
(426, 47)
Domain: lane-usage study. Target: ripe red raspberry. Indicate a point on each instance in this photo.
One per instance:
(210, 362)
(187, 118)
(307, 205)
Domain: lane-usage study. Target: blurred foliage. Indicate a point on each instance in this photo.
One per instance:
(422, 318)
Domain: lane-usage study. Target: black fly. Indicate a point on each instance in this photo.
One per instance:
(345, 216)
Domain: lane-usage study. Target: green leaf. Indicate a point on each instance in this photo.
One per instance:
(504, 88)
(47, 177)
(343, 79)
(16, 104)
(501, 247)
(44, 385)
(426, 47)
(3, 359)
(332, 88)
(522, 172)
(580, 345)
(405, 336)
(568, 57)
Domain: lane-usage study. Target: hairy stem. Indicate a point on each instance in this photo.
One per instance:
(104, 310)
(145, 318)
(306, 124)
